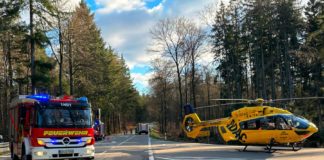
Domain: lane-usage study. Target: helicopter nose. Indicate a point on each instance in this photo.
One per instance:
(312, 128)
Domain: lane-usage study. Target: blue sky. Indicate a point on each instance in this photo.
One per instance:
(125, 25)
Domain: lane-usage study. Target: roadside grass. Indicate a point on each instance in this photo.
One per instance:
(155, 134)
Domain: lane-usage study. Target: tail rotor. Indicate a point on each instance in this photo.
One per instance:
(191, 122)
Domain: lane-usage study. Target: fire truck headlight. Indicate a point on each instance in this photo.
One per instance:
(40, 153)
(88, 141)
(89, 151)
(41, 142)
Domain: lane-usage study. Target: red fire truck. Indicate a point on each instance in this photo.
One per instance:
(99, 126)
(45, 128)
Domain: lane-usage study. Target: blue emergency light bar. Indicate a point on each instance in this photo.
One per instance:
(40, 97)
(46, 98)
(83, 99)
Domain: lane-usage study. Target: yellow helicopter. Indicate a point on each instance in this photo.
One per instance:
(257, 125)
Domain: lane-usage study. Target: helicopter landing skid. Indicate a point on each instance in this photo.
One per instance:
(294, 147)
(243, 150)
(297, 146)
(270, 150)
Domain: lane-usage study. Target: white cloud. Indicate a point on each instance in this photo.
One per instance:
(141, 60)
(116, 40)
(68, 5)
(142, 80)
(110, 6)
(127, 29)
(119, 5)
(65, 5)
(156, 8)
(206, 58)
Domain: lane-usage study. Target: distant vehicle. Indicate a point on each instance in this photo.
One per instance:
(99, 126)
(255, 125)
(142, 128)
(41, 127)
(99, 130)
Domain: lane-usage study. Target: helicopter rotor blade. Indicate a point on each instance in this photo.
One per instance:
(229, 99)
(289, 99)
(226, 104)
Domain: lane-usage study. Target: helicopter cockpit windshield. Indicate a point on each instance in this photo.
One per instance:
(296, 122)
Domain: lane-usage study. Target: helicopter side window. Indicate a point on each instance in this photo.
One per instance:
(264, 124)
(281, 124)
(296, 122)
(243, 125)
(270, 123)
(250, 124)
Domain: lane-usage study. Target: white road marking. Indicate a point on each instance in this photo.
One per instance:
(200, 158)
(118, 144)
(126, 140)
(150, 152)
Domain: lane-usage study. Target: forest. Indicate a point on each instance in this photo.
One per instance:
(270, 49)
(61, 52)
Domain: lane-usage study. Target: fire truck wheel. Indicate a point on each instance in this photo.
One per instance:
(12, 154)
(15, 157)
(24, 156)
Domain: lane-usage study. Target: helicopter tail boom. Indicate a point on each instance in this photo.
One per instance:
(192, 125)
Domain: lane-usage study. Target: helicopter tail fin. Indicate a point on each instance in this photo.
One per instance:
(191, 122)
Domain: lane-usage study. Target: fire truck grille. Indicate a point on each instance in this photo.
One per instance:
(65, 155)
(64, 142)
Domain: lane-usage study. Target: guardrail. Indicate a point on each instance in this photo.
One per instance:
(4, 147)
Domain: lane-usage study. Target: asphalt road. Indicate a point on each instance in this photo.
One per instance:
(141, 147)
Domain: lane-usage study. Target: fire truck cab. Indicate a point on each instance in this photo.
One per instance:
(46, 128)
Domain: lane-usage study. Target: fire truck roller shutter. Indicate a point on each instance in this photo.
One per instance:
(27, 146)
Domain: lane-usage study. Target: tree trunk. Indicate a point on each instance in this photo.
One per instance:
(61, 56)
(165, 105)
(318, 92)
(186, 85)
(10, 71)
(32, 46)
(288, 77)
(180, 93)
(161, 115)
(70, 66)
(119, 123)
(193, 84)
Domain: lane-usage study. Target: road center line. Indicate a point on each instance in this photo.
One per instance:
(150, 152)
(126, 140)
(119, 144)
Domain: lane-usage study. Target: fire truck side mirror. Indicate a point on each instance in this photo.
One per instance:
(21, 120)
(25, 123)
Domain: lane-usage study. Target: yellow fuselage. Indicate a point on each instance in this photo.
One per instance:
(240, 126)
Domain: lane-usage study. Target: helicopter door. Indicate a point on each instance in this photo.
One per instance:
(283, 129)
(277, 129)
(250, 131)
(268, 130)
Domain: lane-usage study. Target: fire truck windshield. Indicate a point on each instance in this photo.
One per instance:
(63, 117)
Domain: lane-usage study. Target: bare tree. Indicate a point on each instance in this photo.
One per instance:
(193, 43)
(161, 81)
(169, 36)
(61, 16)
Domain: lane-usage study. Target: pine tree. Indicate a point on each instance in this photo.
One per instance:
(228, 48)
